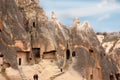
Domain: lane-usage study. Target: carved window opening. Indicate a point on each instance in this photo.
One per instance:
(91, 76)
(33, 24)
(73, 54)
(1, 55)
(67, 54)
(30, 58)
(20, 60)
(91, 51)
(117, 76)
(111, 77)
(36, 52)
(35, 77)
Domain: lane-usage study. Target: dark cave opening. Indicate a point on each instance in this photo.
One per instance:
(73, 54)
(33, 24)
(20, 60)
(117, 75)
(91, 51)
(67, 54)
(91, 76)
(111, 77)
(36, 52)
(1, 55)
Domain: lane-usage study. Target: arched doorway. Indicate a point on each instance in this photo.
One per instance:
(67, 54)
(19, 61)
(111, 77)
(33, 24)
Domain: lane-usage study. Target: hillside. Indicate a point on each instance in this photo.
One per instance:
(30, 44)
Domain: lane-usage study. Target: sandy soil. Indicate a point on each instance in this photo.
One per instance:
(46, 70)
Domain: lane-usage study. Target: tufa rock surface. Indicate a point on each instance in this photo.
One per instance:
(28, 37)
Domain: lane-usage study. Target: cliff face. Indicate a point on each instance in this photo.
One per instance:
(90, 61)
(111, 45)
(48, 35)
(12, 28)
(24, 28)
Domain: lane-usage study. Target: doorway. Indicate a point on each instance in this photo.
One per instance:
(111, 77)
(36, 52)
(91, 77)
(20, 61)
(67, 54)
(33, 24)
(117, 76)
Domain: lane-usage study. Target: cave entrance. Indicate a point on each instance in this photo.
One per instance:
(67, 54)
(73, 54)
(49, 54)
(111, 77)
(20, 60)
(36, 52)
(117, 76)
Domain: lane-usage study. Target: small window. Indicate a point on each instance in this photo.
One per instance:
(73, 54)
(91, 76)
(117, 76)
(91, 51)
(1, 55)
(30, 58)
(111, 77)
(33, 24)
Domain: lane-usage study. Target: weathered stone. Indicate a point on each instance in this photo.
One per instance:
(27, 36)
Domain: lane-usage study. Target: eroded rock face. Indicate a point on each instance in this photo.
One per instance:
(90, 48)
(48, 35)
(111, 46)
(24, 28)
(12, 28)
